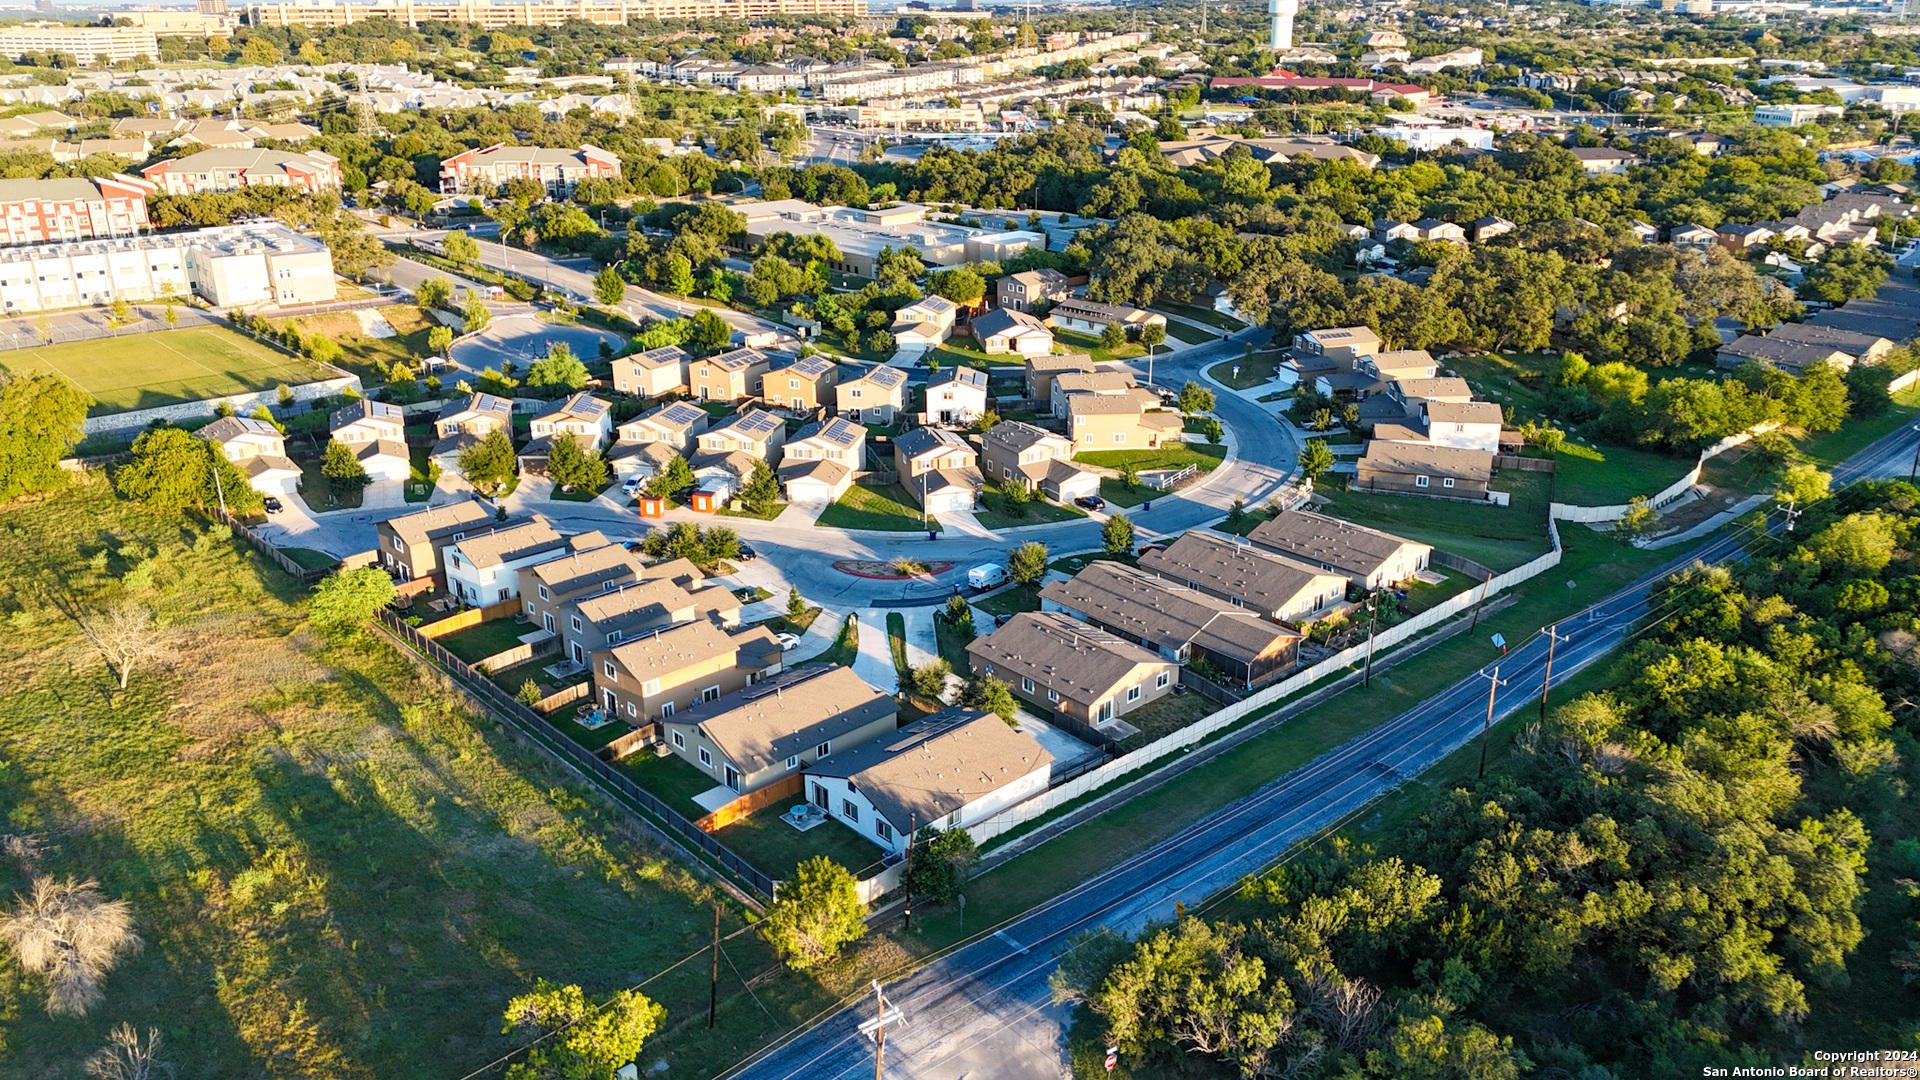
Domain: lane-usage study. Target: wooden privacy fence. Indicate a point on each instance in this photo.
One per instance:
(627, 794)
(461, 620)
(305, 575)
(778, 791)
(519, 654)
(1524, 464)
(1170, 745)
(562, 697)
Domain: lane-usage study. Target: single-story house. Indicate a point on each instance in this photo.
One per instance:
(1414, 468)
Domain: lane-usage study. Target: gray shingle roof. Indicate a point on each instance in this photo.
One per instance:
(937, 765)
(789, 714)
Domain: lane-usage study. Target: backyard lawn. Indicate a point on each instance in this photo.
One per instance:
(166, 367)
(1177, 455)
(775, 847)
(475, 643)
(1073, 342)
(1202, 315)
(886, 507)
(1164, 716)
(308, 558)
(671, 779)
(318, 492)
(1499, 537)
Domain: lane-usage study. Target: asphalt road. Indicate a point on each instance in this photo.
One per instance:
(985, 1010)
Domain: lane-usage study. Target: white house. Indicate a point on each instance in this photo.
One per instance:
(377, 433)
(821, 459)
(259, 449)
(951, 770)
(1003, 331)
(957, 395)
(1468, 425)
(484, 570)
(923, 325)
(587, 417)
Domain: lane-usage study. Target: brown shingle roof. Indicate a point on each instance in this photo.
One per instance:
(1323, 541)
(1262, 581)
(791, 713)
(937, 765)
(1139, 605)
(1080, 662)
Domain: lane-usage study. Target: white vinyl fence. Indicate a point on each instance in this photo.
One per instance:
(1591, 514)
(1170, 745)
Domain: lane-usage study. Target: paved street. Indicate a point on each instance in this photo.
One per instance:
(985, 1010)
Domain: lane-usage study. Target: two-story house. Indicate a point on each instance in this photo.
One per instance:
(652, 373)
(875, 398)
(1275, 586)
(588, 419)
(377, 433)
(923, 325)
(1470, 425)
(767, 732)
(546, 588)
(1030, 289)
(598, 621)
(1043, 370)
(484, 570)
(1071, 668)
(957, 396)
(652, 677)
(1130, 421)
(465, 422)
(802, 385)
(1336, 348)
(729, 376)
(1018, 452)
(258, 448)
(1117, 383)
(1009, 331)
(410, 544)
(939, 468)
(755, 432)
(819, 461)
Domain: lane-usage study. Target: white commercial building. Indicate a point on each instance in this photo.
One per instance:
(230, 266)
(85, 44)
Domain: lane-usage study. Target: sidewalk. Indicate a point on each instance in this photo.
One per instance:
(874, 662)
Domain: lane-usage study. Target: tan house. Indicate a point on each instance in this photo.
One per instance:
(756, 432)
(1032, 288)
(1015, 451)
(939, 468)
(819, 462)
(651, 440)
(1370, 559)
(652, 373)
(1337, 347)
(258, 448)
(653, 677)
(923, 325)
(1413, 468)
(1228, 642)
(1070, 668)
(800, 387)
(1118, 383)
(588, 419)
(730, 376)
(876, 398)
(464, 423)
(767, 732)
(546, 588)
(1043, 370)
(1276, 587)
(1120, 422)
(410, 544)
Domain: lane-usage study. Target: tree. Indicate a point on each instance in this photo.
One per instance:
(762, 489)
(1129, 475)
(711, 334)
(961, 284)
(128, 1056)
(814, 914)
(462, 249)
(1113, 336)
(575, 1039)
(1014, 496)
(342, 467)
(41, 416)
(572, 465)
(609, 287)
(675, 476)
(68, 931)
(323, 349)
(440, 340)
(475, 314)
(959, 616)
(941, 864)
(929, 680)
(490, 462)
(433, 293)
(172, 470)
(349, 599)
(172, 318)
(259, 52)
(1803, 484)
(796, 605)
(1027, 564)
(1195, 398)
(1641, 519)
(988, 694)
(1116, 536)
(121, 312)
(125, 637)
(679, 276)
(1213, 431)
(1153, 335)
(559, 370)
(1316, 459)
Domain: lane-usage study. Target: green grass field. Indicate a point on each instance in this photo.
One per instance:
(886, 507)
(165, 367)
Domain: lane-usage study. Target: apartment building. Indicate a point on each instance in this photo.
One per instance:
(560, 171)
(230, 266)
(230, 170)
(38, 211)
(493, 16)
(86, 44)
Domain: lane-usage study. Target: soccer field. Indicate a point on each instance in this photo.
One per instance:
(165, 367)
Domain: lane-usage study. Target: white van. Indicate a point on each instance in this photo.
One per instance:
(987, 575)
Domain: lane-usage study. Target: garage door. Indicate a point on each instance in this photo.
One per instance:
(804, 494)
(950, 502)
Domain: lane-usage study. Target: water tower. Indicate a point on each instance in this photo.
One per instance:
(1282, 12)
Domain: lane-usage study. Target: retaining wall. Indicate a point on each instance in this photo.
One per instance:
(242, 404)
(1169, 745)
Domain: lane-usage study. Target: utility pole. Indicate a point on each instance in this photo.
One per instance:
(713, 989)
(1486, 730)
(1914, 472)
(1484, 590)
(1546, 681)
(1373, 624)
(1792, 513)
(913, 825)
(220, 489)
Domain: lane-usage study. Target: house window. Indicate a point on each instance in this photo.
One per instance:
(825, 749)
(650, 687)
(397, 545)
(529, 608)
(1133, 693)
(706, 758)
(1448, 482)
(543, 592)
(793, 384)
(855, 393)
(1419, 481)
(666, 711)
(711, 693)
(576, 622)
(1119, 436)
(679, 740)
(1026, 684)
(793, 761)
(1161, 682)
(610, 673)
(632, 710)
(1053, 695)
(848, 810)
(883, 830)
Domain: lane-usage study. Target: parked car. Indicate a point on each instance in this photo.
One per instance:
(631, 487)
(1002, 620)
(273, 505)
(747, 554)
(1090, 502)
(787, 641)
